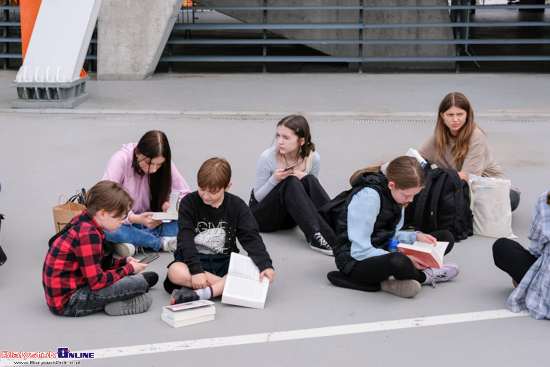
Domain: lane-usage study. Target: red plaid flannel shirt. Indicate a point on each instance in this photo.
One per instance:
(74, 261)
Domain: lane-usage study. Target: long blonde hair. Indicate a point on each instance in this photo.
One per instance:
(405, 172)
(442, 133)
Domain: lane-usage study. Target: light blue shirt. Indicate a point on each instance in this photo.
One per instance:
(267, 164)
(362, 213)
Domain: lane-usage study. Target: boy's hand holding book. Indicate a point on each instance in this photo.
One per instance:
(269, 273)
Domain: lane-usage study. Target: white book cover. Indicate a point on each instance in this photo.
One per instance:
(243, 286)
(414, 153)
(183, 311)
(164, 317)
(172, 212)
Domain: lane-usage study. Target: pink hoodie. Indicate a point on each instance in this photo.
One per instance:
(119, 169)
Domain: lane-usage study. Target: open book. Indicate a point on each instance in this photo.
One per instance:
(172, 212)
(243, 286)
(426, 252)
(414, 153)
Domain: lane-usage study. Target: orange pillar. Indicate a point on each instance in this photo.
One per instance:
(29, 11)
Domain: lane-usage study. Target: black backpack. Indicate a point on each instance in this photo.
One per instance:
(3, 256)
(444, 203)
(329, 213)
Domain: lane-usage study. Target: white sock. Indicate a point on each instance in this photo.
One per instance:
(205, 293)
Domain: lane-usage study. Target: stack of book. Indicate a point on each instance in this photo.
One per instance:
(189, 313)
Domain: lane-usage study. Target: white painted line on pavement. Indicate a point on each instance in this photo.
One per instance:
(303, 334)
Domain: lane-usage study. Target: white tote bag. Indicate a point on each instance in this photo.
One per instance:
(490, 204)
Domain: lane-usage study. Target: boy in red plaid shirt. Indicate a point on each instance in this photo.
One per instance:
(78, 279)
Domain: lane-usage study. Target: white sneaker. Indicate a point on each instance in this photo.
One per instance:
(124, 249)
(169, 244)
(447, 272)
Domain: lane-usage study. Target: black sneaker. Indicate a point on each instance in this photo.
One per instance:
(151, 277)
(130, 306)
(184, 295)
(319, 244)
(3, 256)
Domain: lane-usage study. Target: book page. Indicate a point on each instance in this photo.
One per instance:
(174, 196)
(172, 212)
(243, 266)
(246, 289)
(439, 249)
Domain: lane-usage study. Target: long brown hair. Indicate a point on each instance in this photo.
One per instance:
(152, 145)
(300, 126)
(405, 172)
(442, 133)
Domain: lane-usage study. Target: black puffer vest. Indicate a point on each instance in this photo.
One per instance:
(384, 228)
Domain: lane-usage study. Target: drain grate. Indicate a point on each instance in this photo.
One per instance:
(261, 119)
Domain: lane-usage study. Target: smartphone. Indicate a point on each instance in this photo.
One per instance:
(289, 167)
(149, 258)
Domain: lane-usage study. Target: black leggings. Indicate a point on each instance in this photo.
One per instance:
(291, 202)
(513, 258)
(378, 268)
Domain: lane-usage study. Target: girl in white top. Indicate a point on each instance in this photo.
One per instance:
(287, 191)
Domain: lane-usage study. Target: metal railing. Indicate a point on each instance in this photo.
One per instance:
(459, 23)
(355, 35)
(10, 32)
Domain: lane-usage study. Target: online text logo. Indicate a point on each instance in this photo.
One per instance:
(63, 356)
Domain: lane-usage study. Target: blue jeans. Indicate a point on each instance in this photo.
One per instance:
(85, 301)
(139, 235)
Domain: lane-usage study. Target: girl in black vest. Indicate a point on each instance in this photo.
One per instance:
(374, 215)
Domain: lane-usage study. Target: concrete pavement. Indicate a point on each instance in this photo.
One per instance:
(356, 120)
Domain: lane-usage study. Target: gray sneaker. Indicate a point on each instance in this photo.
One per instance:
(447, 272)
(130, 306)
(402, 288)
(124, 249)
(183, 295)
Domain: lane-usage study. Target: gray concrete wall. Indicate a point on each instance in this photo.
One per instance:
(370, 17)
(132, 36)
